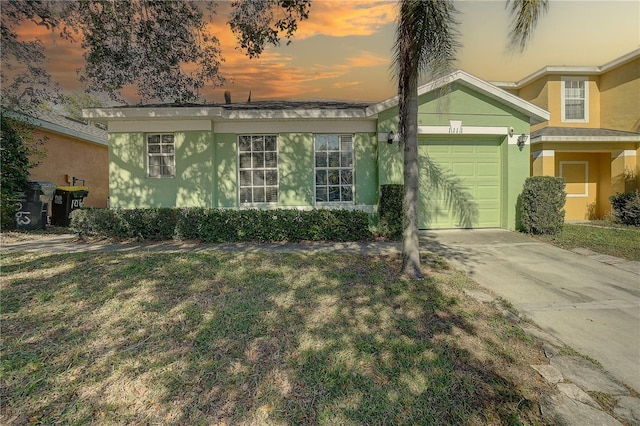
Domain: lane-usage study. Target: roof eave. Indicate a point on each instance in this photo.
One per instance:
(571, 70)
(577, 139)
(56, 128)
(107, 114)
(296, 114)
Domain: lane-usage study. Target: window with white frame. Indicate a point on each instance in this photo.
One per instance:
(333, 168)
(258, 168)
(575, 99)
(161, 155)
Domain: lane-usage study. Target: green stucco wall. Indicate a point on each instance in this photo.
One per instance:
(129, 186)
(226, 170)
(207, 171)
(295, 169)
(366, 176)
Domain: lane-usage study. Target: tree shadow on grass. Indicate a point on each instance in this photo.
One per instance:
(253, 338)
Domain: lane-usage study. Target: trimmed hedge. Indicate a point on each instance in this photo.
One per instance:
(625, 208)
(390, 210)
(217, 225)
(543, 199)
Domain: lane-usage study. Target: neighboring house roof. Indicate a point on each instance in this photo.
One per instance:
(63, 125)
(575, 134)
(268, 105)
(269, 110)
(570, 70)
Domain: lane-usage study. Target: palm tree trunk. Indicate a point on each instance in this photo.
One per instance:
(410, 240)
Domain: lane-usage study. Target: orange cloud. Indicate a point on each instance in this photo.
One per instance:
(342, 85)
(346, 18)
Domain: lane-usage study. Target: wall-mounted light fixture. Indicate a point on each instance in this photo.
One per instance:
(391, 137)
(522, 139)
(510, 132)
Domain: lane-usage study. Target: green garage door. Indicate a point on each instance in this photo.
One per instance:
(474, 164)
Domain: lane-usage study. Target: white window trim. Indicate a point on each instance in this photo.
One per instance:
(270, 204)
(586, 177)
(586, 99)
(146, 141)
(353, 173)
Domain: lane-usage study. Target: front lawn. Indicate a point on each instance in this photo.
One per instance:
(612, 239)
(254, 338)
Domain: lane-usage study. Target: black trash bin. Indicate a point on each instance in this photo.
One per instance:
(33, 207)
(65, 200)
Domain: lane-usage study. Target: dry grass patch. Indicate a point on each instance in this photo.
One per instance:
(260, 338)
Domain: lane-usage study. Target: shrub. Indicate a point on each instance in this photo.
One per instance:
(543, 199)
(625, 208)
(219, 226)
(390, 210)
(18, 148)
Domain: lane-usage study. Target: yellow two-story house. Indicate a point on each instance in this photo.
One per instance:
(592, 138)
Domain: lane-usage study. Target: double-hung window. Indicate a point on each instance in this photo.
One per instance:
(333, 168)
(161, 155)
(258, 168)
(575, 99)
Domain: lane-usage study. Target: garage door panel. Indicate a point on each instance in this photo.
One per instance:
(488, 170)
(476, 167)
(463, 169)
(486, 194)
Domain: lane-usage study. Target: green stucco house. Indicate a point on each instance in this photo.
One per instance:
(322, 154)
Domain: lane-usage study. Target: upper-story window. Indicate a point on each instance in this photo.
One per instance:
(334, 168)
(161, 155)
(575, 99)
(258, 168)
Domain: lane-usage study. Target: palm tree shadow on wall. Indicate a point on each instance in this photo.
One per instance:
(445, 193)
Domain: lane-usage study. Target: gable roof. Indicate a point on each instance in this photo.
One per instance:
(571, 70)
(269, 110)
(62, 125)
(535, 113)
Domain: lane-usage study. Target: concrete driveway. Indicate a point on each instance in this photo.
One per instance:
(592, 306)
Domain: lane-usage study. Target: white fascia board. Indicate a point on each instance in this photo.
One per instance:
(535, 113)
(578, 139)
(621, 60)
(185, 113)
(163, 125)
(296, 114)
(295, 126)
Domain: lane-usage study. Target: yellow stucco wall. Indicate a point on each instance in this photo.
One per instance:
(611, 170)
(620, 98)
(584, 177)
(538, 94)
(66, 156)
(546, 92)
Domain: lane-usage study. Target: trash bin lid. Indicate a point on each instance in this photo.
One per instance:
(73, 188)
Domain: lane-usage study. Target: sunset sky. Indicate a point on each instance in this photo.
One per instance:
(344, 49)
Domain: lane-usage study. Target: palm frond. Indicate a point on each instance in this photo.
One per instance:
(426, 44)
(524, 17)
